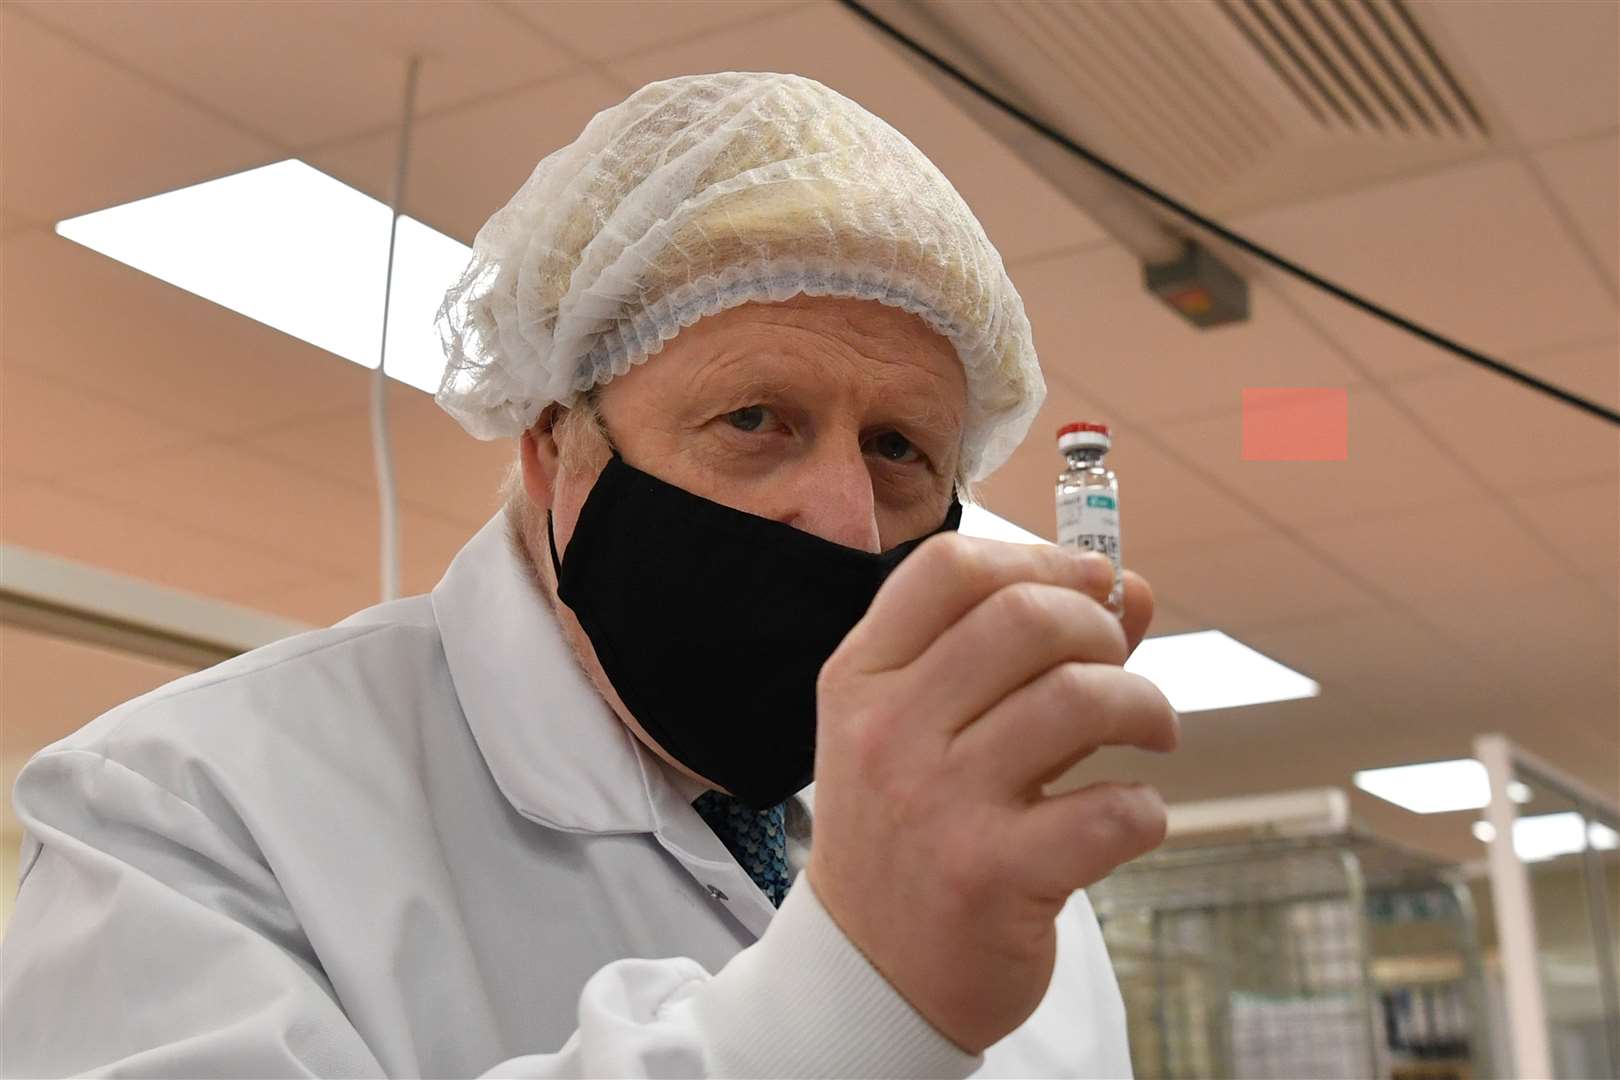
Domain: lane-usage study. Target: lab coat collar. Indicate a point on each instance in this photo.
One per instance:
(556, 750)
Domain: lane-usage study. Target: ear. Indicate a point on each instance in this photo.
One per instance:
(540, 459)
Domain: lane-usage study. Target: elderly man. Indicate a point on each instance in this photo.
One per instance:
(548, 820)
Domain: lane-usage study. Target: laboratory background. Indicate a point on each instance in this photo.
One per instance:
(1339, 276)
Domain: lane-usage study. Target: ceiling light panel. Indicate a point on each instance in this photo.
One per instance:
(295, 249)
(1437, 787)
(1207, 669)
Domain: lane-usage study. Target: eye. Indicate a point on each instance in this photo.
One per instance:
(893, 446)
(750, 418)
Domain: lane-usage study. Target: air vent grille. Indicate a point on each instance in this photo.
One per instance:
(1360, 65)
(1232, 105)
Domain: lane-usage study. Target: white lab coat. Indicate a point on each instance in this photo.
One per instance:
(419, 843)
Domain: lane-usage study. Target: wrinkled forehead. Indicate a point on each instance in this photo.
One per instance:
(861, 353)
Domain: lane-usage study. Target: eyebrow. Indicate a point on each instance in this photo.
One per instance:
(924, 415)
(728, 385)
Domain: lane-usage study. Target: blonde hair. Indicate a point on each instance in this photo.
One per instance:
(582, 446)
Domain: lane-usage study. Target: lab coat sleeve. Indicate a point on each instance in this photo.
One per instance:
(150, 940)
(802, 1001)
(147, 941)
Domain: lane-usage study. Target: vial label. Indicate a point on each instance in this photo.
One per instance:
(1089, 521)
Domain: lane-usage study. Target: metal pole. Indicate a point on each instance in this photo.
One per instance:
(1602, 937)
(1515, 920)
(1356, 897)
(382, 451)
(1480, 1049)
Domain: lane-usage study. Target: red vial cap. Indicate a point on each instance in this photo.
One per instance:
(1067, 428)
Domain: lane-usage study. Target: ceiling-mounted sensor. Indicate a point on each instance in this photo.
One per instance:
(1199, 287)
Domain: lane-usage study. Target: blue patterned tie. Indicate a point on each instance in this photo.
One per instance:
(757, 839)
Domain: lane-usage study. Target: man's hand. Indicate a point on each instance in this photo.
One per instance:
(982, 671)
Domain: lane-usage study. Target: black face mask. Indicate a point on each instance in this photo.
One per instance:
(713, 624)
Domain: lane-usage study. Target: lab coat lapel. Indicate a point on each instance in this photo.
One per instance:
(556, 750)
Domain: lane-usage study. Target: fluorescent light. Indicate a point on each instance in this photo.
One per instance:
(426, 264)
(1437, 787)
(1208, 670)
(1547, 836)
(977, 521)
(1432, 787)
(297, 250)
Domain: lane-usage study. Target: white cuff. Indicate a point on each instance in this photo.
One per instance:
(804, 1001)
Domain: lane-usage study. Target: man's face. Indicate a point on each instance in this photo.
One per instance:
(842, 418)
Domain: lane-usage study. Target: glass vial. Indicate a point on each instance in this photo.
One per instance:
(1088, 500)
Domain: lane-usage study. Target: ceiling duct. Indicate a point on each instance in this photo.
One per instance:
(1231, 106)
(1358, 62)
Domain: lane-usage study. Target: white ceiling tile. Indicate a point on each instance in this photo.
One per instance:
(1518, 435)
(1533, 617)
(1101, 332)
(466, 164)
(1390, 466)
(307, 71)
(1552, 645)
(1167, 503)
(1549, 68)
(611, 29)
(1582, 521)
(1356, 653)
(1020, 211)
(49, 428)
(438, 467)
(1411, 693)
(128, 539)
(1475, 253)
(1238, 583)
(1591, 371)
(1449, 548)
(85, 320)
(78, 133)
(1377, 346)
(1585, 175)
(12, 222)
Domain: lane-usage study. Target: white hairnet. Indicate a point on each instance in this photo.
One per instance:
(705, 192)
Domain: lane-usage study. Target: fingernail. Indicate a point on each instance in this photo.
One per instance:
(1099, 569)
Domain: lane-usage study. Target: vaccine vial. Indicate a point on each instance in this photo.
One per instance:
(1088, 500)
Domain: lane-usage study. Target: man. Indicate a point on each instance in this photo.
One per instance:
(546, 821)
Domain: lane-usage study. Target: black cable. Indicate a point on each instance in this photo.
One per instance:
(1235, 239)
